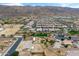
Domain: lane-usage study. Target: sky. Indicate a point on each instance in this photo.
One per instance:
(34, 1)
(62, 3)
(72, 5)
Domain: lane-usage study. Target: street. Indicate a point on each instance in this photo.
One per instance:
(13, 48)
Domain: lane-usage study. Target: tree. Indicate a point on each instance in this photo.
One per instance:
(47, 43)
(11, 36)
(3, 35)
(16, 53)
(42, 41)
(24, 36)
(51, 42)
(65, 46)
(62, 39)
(59, 51)
(69, 38)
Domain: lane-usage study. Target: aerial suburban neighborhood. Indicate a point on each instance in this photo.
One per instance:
(39, 31)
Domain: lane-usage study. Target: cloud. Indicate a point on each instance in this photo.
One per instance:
(10, 1)
(12, 4)
(72, 5)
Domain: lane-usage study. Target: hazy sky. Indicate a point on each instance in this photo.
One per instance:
(34, 1)
(63, 3)
(72, 5)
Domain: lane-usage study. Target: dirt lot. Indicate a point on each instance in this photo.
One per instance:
(10, 29)
(5, 43)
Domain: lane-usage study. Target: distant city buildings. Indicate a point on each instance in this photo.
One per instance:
(54, 23)
(47, 25)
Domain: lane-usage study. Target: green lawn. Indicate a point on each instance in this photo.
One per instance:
(73, 32)
(39, 35)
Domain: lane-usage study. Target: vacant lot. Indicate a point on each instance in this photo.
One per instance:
(5, 43)
(10, 29)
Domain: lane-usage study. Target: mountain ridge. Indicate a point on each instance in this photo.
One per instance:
(37, 10)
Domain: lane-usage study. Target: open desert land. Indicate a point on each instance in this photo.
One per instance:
(10, 29)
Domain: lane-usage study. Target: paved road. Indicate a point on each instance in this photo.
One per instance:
(13, 48)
